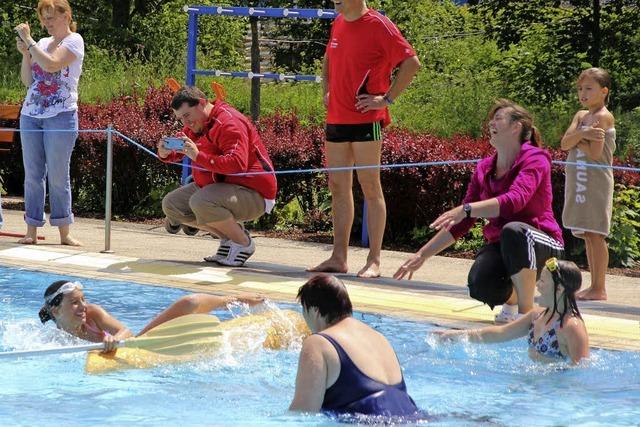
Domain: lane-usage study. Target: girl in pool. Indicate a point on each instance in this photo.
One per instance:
(555, 330)
(64, 303)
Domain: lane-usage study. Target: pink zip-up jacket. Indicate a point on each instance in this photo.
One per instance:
(524, 194)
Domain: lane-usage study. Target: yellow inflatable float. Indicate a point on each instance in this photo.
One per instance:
(201, 335)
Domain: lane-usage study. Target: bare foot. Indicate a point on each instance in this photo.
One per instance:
(591, 294)
(330, 266)
(370, 271)
(28, 240)
(70, 241)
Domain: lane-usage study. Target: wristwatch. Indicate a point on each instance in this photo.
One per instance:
(387, 99)
(466, 208)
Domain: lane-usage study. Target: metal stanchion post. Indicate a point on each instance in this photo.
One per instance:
(109, 184)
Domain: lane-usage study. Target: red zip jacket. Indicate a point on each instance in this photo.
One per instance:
(230, 144)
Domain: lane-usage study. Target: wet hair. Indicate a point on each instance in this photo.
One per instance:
(568, 276)
(45, 312)
(600, 76)
(328, 294)
(189, 94)
(60, 6)
(519, 114)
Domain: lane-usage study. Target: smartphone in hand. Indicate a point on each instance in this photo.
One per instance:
(173, 143)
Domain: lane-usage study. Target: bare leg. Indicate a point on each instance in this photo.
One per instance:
(368, 153)
(31, 237)
(340, 184)
(197, 303)
(524, 283)
(65, 238)
(598, 257)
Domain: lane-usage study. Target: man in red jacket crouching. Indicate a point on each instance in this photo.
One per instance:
(221, 142)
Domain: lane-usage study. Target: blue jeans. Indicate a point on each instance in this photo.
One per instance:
(46, 155)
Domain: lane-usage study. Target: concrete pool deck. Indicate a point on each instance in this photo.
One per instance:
(147, 254)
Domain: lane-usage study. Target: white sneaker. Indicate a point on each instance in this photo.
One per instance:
(238, 254)
(221, 253)
(508, 314)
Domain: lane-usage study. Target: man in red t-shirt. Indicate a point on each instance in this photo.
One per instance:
(221, 142)
(363, 50)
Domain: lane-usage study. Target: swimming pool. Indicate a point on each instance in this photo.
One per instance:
(458, 384)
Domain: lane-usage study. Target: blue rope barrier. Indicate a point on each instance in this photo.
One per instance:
(352, 168)
(314, 170)
(383, 166)
(137, 144)
(334, 169)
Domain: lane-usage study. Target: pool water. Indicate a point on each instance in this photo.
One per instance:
(457, 384)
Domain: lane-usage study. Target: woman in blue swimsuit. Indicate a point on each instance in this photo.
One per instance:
(345, 367)
(555, 330)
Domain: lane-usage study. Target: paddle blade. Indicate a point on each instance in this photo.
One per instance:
(178, 340)
(180, 325)
(188, 337)
(124, 358)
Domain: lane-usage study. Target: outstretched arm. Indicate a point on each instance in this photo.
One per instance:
(198, 303)
(491, 334)
(437, 244)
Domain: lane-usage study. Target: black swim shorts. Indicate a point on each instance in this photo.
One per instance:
(354, 133)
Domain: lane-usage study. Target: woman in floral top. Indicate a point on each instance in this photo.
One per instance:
(50, 69)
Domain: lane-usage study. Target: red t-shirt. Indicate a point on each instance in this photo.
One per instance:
(362, 54)
(228, 144)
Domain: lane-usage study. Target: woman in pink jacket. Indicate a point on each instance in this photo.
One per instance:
(512, 191)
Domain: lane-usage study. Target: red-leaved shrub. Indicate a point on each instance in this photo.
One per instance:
(415, 195)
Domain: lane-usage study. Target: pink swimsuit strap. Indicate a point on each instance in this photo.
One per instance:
(95, 329)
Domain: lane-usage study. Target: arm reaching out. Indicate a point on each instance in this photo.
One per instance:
(492, 334)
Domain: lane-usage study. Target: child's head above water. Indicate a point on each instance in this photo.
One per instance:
(567, 280)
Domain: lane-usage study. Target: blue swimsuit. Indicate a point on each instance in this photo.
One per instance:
(355, 392)
(547, 344)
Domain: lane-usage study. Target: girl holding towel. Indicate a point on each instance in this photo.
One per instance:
(591, 140)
